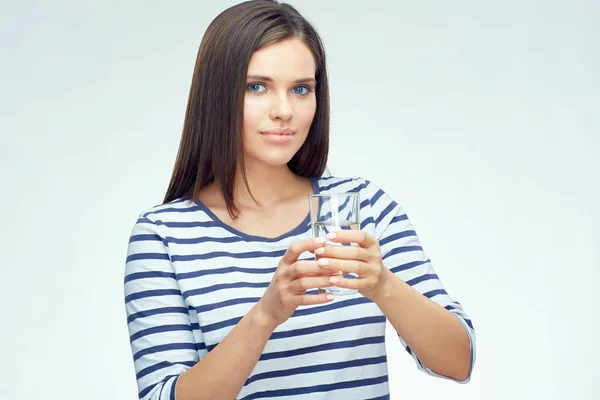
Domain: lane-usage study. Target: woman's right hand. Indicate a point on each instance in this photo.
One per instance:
(291, 280)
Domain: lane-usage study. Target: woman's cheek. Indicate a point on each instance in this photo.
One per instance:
(253, 113)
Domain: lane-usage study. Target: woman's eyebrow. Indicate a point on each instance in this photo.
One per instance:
(268, 79)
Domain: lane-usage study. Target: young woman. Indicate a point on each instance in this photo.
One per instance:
(220, 279)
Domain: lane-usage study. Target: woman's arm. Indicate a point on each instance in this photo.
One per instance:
(221, 374)
(396, 274)
(171, 360)
(434, 334)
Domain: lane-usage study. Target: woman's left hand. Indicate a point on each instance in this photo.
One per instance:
(363, 260)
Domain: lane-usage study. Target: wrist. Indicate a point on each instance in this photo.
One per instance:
(261, 319)
(386, 286)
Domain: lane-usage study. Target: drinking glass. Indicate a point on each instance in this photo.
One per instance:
(332, 212)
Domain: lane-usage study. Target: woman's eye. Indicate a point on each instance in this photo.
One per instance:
(256, 87)
(301, 90)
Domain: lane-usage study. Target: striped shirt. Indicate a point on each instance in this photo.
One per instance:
(190, 278)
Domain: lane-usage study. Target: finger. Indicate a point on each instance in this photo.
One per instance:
(349, 283)
(347, 266)
(303, 284)
(308, 299)
(299, 247)
(302, 268)
(345, 253)
(362, 238)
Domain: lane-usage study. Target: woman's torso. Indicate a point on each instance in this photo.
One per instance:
(333, 350)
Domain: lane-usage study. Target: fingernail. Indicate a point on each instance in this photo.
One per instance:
(320, 250)
(323, 261)
(320, 240)
(331, 235)
(329, 297)
(334, 280)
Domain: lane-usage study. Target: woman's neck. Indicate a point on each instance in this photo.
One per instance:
(269, 185)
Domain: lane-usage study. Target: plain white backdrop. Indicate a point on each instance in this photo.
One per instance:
(481, 118)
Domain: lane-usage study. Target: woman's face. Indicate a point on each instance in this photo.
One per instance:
(280, 102)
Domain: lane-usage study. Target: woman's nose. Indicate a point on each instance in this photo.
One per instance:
(281, 107)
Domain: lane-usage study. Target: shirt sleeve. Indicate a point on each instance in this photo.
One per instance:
(403, 254)
(160, 330)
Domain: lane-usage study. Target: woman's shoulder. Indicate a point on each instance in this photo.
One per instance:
(172, 210)
(345, 184)
(371, 194)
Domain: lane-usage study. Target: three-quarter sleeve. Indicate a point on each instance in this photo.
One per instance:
(160, 330)
(403, 254)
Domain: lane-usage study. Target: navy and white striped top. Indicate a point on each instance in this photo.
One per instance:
(190, 278)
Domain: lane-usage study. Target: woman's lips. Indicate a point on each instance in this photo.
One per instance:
(278, 135)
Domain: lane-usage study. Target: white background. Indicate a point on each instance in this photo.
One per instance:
(481, 118)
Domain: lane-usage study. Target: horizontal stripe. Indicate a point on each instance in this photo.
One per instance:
(144, 238)
(335, 184)
(402, 249)
(172, 210)
(318, 388)
(147, 256)
(220, 325)
(321, 328)
(187, 224)
(216, 254)
(223, 286)
(434, 293)
(164, 347)
(327, 327)
(161, 365)
(159, 329)
(204, 239)
(149, 274)
(385, 212)
(323, 347)
(152, 293)
(367, 221)
(358, 188)
(396, 236)
(226, 270)
(375, 197)
(317, 368)
(422, 278)
(299, 312)
(326, 178)
(227, 303)
(398, 218)
(409, 265)
(329, 307)
(149, 388)
(176, 312)
(156, 311)
(144, 220)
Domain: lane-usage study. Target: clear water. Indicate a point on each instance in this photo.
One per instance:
(321, 229)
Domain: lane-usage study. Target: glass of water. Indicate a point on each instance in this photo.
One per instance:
(332, 212)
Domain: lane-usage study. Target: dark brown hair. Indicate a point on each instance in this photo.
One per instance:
(211, 146)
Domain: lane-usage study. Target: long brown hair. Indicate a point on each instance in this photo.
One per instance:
(211, 146)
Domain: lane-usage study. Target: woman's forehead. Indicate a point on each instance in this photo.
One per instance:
(288, 60)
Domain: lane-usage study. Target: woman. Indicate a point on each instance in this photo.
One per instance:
(220, 279)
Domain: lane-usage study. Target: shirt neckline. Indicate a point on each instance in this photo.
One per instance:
(301, 228)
